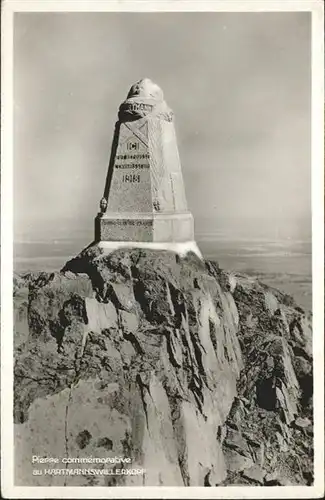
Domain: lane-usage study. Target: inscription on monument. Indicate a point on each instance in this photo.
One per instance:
(132, 145)
(141, 162)
(138, 222)
(131, 181)
(137, 106)
(131, 178)
(132, 157)
(132, 165)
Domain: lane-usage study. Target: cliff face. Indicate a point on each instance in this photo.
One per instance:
(200, 377)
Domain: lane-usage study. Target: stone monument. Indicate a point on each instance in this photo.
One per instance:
(144, 199)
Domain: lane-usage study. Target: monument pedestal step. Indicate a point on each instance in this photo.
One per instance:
(160, 228)
(180, 248)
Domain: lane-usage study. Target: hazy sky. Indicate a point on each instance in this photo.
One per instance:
(239, 85)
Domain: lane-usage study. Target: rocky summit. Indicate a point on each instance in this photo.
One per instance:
(192, 375)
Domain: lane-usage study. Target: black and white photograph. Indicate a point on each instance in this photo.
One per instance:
(162, 282)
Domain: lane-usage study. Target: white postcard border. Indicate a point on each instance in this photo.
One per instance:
(8, 9)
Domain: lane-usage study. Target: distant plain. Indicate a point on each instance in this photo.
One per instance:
(283, 263)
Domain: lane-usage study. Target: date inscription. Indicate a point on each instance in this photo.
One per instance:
(131, 178)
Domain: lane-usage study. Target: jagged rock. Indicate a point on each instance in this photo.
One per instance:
(271, 302)
(254, 473)
(278, 478)
(235, 440)
(277, 387)
(271, 478)
(237, 462)
(282, 443)
(302, 422)
(195, 373)
(124, 296)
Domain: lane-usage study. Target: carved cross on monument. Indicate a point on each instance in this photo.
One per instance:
(144, 198)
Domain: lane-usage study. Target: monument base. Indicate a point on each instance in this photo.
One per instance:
(159, 228)
(180, 248)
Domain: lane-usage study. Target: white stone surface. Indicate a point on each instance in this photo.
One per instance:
(180, 248)
(144, 197)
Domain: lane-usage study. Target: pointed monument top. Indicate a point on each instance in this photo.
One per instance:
(144, 98)
(146, 89)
